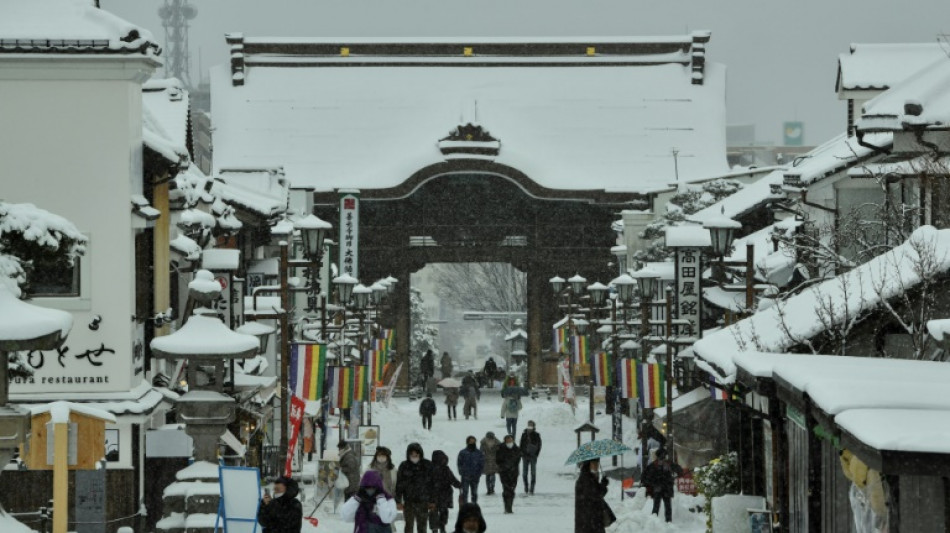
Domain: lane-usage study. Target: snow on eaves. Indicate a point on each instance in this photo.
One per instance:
(69, 26)
(744, 200)
(803, 316)
(838, 154)
(165, 117)
(186, 247)
(261, 192)
(158, 139)
(878, 66)
(927, 90)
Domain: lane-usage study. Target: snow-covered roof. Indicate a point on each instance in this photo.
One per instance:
(879, 66)
(688, 236)
(772, 266)
(806, 314)
(221, 259)
(186, 247)
(920, 100)
(743, 200)
(832, 157)
(905, 430)
(260, 190)
(330, 119)
(8, 524)
(59, 411)
(69, 26)
(165, 118)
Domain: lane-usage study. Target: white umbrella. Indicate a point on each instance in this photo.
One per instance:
(450, 383)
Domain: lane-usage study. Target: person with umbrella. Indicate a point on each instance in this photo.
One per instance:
(507, 458)
(591, 512)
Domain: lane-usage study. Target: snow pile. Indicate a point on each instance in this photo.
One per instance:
(8, 524)
(634, 515)
(21, 321)
(205, 335)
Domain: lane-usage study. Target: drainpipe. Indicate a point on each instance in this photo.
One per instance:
(804, 201)
(859, 135)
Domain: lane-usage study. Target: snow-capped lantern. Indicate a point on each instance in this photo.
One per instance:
(721, 232)
(313, 231)
(646, 279)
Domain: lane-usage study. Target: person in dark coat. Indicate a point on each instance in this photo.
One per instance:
(507, 457)
(491, 368)
(446, 364)
(413, 488)
(488, 447)
(470, 384)
(530, 450)
(470, 519)
(443, 480)
(658, 477)
(350, 467)
(589, 504)
(282, 513)
(427, 411)
(471, 403)
(451, 402)
(471, 464)
(427, 366)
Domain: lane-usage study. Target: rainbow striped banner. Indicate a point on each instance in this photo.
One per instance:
(560, 339)
(718, 394)
(579, 345)
(602, 370)
(651, 385)
(375, 360)
(628, 378)
(347, 383)
(361, 383)
(388, 337)
(308, 363)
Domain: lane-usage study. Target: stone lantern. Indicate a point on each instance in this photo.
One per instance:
(23, 327)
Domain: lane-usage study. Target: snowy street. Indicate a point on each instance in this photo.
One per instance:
(551, 507)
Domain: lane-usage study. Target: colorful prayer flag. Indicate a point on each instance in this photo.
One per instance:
(340, 379)
(718, 394)
(375, 361)
(308, 370)
(361, 378)
(560, 339)
(628, 378)
(602, 370)
(579, 347)
(651, 385)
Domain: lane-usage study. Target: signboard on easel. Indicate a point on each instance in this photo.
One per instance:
(240, 499)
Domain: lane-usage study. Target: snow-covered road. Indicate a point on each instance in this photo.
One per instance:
(551, 508)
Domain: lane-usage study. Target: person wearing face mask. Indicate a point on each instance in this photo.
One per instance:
(507, 457)
(443, 480)
(530, 450)
(413, 489)
(471, 464)
(470, 519)
(591, 512)
(383, 463)
(372, 508)
(489, 446)
(282, 513)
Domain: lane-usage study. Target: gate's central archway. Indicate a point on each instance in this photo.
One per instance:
(478, 211)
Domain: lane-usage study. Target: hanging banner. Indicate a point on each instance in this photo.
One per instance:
(689, 302)
(349, 231)
(560, 340)
(567, 388)
(579, 348)
(602, 370)
(308, 364)
(296, 419)
(392, 385)
(651, 385)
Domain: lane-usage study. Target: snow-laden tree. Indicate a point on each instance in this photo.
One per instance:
(485, 287)
(30, 236)
(425, 336)
(684, 203)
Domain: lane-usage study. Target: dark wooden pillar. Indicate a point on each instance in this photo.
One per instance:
(540, 310)
(403, 325)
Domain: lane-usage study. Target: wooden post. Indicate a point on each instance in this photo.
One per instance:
(284, 345)
(749, 278)
(669, 371)
(60, 477)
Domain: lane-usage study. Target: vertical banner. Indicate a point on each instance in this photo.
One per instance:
(349, 231)
(308, 363)
(651, 385)
(579, 345)
(689, 302)
(628, 378)
(560, 340)
(296, 419)
(602, 370)
(567, 388)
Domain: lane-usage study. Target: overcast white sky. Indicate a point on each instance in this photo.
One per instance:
(781, 54)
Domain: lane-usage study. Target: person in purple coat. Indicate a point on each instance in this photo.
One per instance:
(371, 509)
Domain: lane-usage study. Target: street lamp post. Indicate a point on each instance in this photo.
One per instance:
(646, 279)
(624, 285)
(598, 293)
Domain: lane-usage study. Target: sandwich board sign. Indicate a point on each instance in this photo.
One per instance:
(240, 499)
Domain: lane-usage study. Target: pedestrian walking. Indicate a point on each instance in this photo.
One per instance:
(446, 364)
(451, 402)
(530, 450)
(372, 508)
(427, 411)
(281, 513)
(350, 467)
(413, 489)
(471, 465)
(658, 477)
(443, 481)
(470, 519)
(469, 382)
(471, 403)
(383, 463)
(591, 512)
(510, 407)
(507, 456)
(427, 366)
(489, 446)
(490, 370)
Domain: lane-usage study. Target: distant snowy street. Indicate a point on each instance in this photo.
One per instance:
(551, 508)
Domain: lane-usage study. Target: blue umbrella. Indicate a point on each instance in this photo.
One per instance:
(596, 450)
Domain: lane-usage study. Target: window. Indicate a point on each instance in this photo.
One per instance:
(53, 278)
